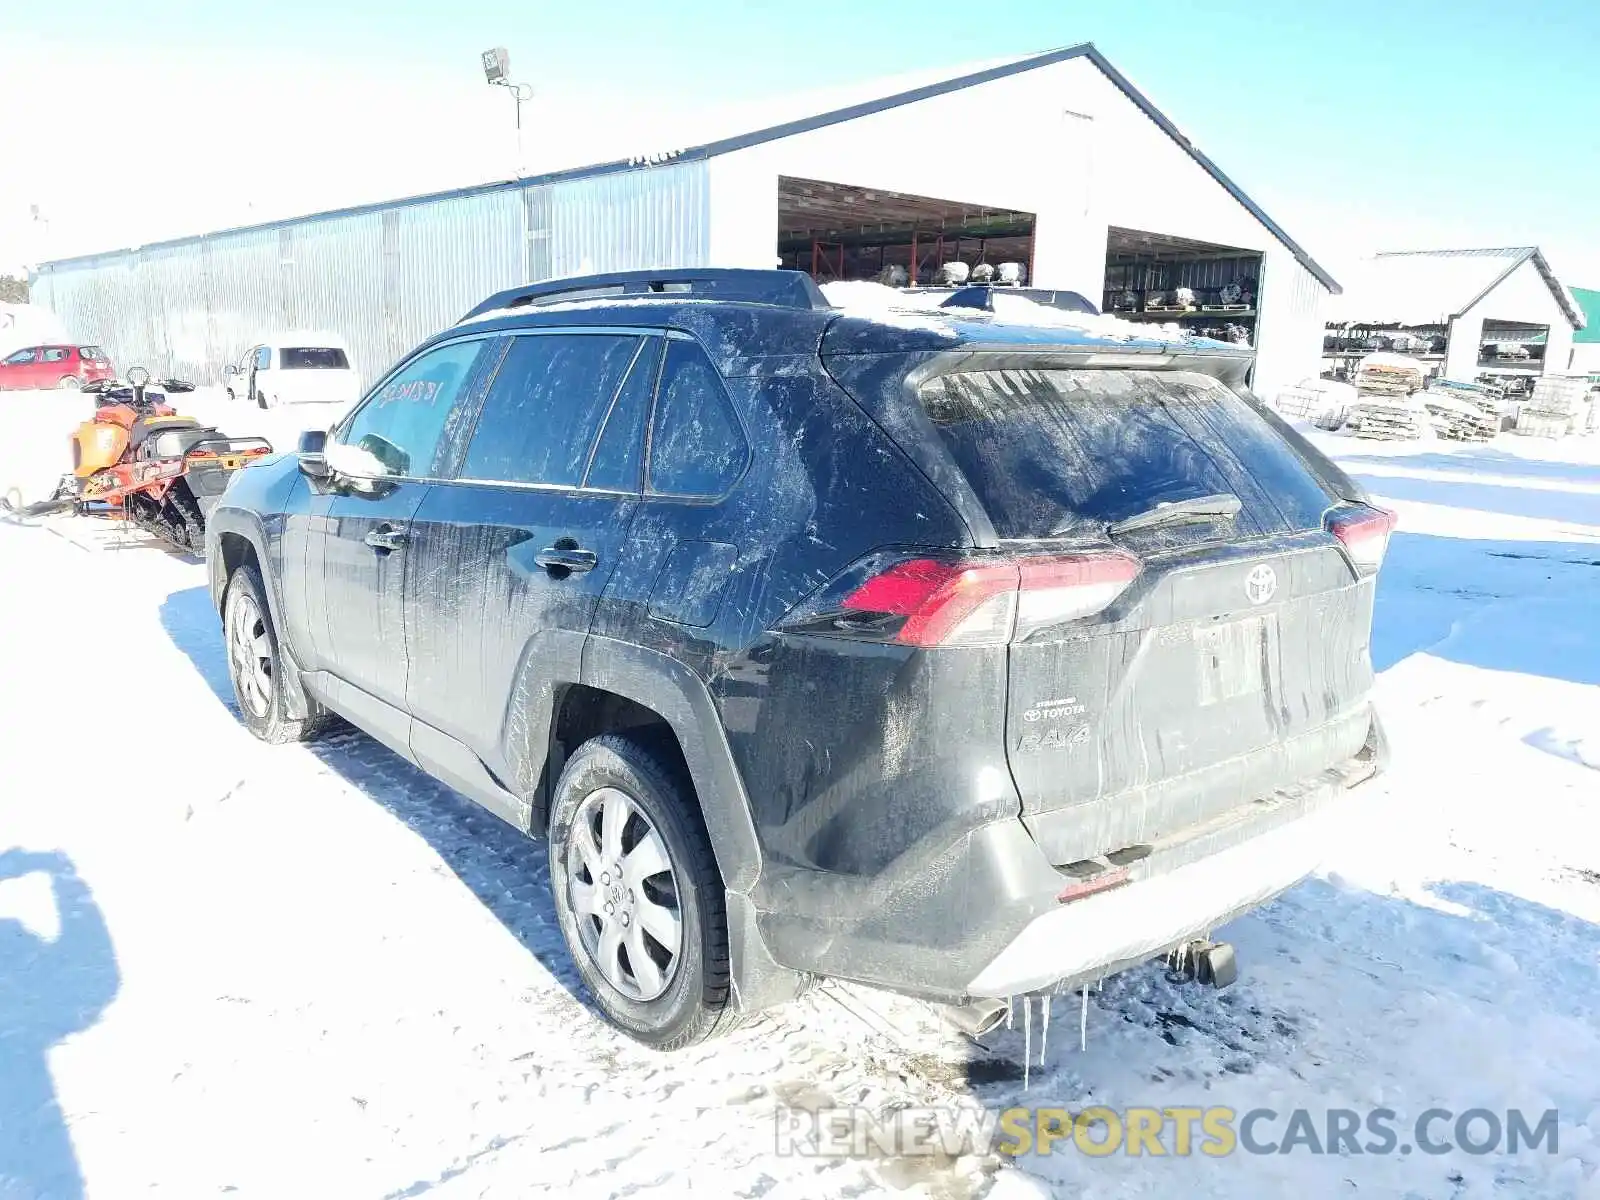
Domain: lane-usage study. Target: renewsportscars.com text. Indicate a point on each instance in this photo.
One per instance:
(1174, 1131)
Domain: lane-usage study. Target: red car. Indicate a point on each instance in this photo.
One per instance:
(55, 367)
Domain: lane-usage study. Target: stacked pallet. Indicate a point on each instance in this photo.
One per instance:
(1463, 411)
(1385, 374)
(1384, 406)
(1388, 418)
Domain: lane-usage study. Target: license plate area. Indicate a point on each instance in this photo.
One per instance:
(1229, 660)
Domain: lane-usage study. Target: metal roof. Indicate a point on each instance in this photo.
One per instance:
(1589, 300)
(1433, 287)
(834, 116)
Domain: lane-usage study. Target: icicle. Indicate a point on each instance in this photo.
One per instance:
(1083, 1021)
(1045, 1005)
(1009, 1000)
(1027, 1039)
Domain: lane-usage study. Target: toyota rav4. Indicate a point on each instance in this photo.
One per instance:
(953, 653)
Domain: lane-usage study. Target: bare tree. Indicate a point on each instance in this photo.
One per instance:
(13, 290)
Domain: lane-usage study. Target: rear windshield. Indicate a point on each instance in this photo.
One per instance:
(1059, 452)
(92, 353)
(313, 358)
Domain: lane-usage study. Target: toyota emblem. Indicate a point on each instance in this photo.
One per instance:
(1261, 584)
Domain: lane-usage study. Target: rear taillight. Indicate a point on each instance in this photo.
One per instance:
(1364, 533)
(963, 602)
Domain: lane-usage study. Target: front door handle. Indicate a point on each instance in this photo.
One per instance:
(566, 558)
(386, 538)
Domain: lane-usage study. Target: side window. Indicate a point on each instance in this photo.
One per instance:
(401, 429)
(263, 358)
(20, 359)
(696, 446)
(546, 406)
(618, 459)
(55, 354)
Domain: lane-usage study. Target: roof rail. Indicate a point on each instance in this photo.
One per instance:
(788, 289)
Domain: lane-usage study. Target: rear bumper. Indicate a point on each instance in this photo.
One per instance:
(983, 919)
(1101, 934)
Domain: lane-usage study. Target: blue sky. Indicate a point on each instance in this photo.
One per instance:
(1358, 125)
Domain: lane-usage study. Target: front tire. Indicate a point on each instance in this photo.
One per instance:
(638, 894)
(253, 664)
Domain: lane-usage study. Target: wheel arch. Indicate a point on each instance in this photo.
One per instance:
(235, 538)
(665, 701)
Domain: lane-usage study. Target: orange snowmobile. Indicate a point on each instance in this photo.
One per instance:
(163, 471)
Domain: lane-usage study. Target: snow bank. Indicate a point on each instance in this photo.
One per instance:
(36, 451)
(27, 325)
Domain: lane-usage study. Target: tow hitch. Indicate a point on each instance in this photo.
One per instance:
(1211, 963)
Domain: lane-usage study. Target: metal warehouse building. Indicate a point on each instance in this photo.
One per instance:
(1054, 161)
(1498, 314)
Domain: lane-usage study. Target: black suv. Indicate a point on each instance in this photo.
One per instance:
(964, 658)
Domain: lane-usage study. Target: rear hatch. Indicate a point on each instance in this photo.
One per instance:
(316, 375)
(1232, 657)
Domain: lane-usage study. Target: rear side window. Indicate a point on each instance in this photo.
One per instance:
(55, 354)
(545, 407)
(1053, 452)
(313, 358)
(696, 446)
(618, 459)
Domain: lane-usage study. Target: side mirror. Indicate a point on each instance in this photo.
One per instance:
(313, 462)
(315, 466)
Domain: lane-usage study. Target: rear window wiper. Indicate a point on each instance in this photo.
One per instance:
(1220, 507)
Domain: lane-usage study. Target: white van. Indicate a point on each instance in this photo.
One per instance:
(293, 369)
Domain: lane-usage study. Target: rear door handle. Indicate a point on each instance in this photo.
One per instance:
(564, 559)
(386, 538)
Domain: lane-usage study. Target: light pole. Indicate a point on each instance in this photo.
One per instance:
(497, 70)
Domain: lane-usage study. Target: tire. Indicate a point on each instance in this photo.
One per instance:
(251, 645)
(694, 1000)
(69, 383)
(261, 400)
(231, 396)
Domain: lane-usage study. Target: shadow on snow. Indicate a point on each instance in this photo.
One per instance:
(1515, 606)
(50, 989)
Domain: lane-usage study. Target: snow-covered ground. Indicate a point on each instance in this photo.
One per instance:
(310, 971)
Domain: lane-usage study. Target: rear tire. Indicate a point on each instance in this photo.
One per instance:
(70, 383)
(683, 995)
(254, 656)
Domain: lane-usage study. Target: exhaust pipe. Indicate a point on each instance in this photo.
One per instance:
(976, 1017)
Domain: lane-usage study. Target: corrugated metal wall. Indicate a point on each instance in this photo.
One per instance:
(384, 278)
(1289, 328)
